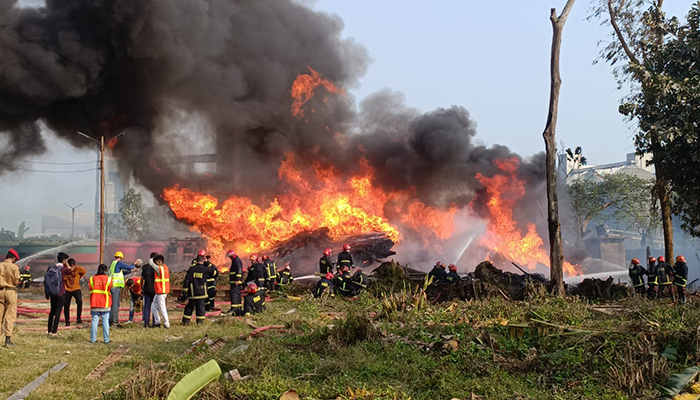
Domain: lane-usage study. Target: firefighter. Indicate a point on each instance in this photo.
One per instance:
(285, 276)
(25, 278)
(211, 284)
(325, 264)
(636, 273)
(254, 300)
(437, 275)
(343, 282)
(326, 283)
(345, 259)
(235, 277)
(452, 277)
(194, 289)
(652, 279)
(257, 269)
(665, 274)
(680, 278)
(270, 273)
(360, 280)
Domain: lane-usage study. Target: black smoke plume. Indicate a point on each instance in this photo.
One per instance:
(107, 66)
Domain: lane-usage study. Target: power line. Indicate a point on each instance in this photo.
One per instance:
(56, 172)
(58, 163)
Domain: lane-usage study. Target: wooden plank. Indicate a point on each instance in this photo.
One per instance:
(25, 391)
(107, 363)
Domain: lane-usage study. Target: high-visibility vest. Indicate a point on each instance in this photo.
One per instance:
(162, 280)
(117, 278)
(100, 296)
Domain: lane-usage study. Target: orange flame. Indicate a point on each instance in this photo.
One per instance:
(304, 87)
(311, 198)
(112, 142)
(503, 235)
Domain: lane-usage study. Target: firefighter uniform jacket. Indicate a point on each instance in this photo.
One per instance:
(235, 274)
(664, 273)
(436, 275)
(195, 284)
(271, 270)
(636, 273)
(25, 279)
(99, 286)
(325, 265)
(323, 285)
(343, 284)
(452, 277)
(285, 277)
(254, 303)
(211, 281)
(681, 274)
(360, 279)
(652, 278)
(344, 260)
(259, 273)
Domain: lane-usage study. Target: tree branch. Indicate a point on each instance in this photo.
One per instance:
(618, 32)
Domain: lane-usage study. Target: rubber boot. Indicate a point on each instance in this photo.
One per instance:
(8, 342)
(185, 321)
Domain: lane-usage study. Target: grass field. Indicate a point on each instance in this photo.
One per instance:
(371, 348)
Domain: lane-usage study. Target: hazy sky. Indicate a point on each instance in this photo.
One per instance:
(491, 57)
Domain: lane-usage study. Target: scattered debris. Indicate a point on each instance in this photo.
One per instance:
(292, 311)
(107, 363)
(597, 289)
(169, 338)
(234, 375)
(290, 395)
(195, 345)
(25, 391)
(212, 344)
(258, 332)
(239, 349)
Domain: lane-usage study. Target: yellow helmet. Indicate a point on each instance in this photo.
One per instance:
(119, 254)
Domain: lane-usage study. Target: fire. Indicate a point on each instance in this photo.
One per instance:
(503, 236)
(304, 87)
(112, 142)
(309, 198)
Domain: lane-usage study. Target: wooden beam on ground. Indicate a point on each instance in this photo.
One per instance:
(25, 391)
(107, 363)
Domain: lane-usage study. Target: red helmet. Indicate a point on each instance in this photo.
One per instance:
(680, 259)
(440, 265)
(231, 254)
(652, 259)
(265, 258)
(346, 247)
(662, 259)
(329, 276)
(345, 268)
(453, 268)
(327, 252)
(202, 253)
(26, 267)
(253, 257)
(14, 254)
(635, 261)
(252, 287)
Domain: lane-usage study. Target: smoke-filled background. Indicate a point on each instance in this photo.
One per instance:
(103, 67)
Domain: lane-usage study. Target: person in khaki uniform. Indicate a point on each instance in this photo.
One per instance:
(9, 279)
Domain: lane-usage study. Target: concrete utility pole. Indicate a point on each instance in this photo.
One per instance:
(72, 221)
(101, 143)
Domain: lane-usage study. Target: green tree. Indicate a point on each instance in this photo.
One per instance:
(624, 198)
(643, 51)
(133, 213)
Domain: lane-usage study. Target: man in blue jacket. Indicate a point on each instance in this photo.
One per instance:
(117, 270)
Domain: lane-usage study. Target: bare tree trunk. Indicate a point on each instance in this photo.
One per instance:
(556, 252)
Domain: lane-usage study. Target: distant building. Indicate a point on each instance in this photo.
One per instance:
(634, 165)
(114, 188)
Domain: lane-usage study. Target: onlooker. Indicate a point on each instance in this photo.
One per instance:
(148, 288)
(54, 291)
(134, 286)
(162, 286)
(100, 302)
(72, 274)
(117, 270)
(9, 279)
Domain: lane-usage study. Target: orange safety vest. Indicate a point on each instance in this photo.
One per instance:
(162, 280)
(100, 296)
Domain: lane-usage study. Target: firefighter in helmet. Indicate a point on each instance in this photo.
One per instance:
(636, 273)
(345, 259)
